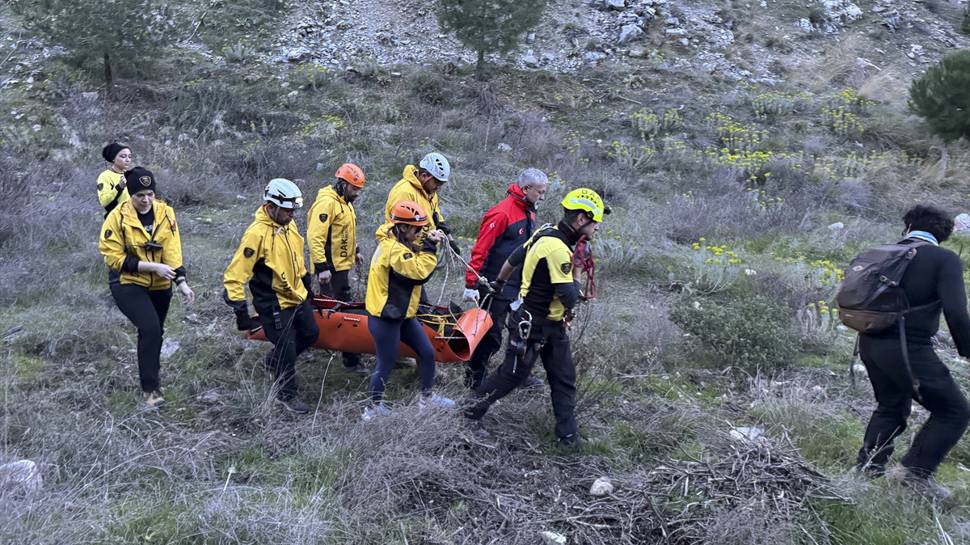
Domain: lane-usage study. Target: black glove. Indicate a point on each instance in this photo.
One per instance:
(429, 245)
(307, 283)
(496, 286)
(454, 246)
(244, 322)
(440, 224)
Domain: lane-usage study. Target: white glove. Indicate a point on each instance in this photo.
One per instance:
(471, 294)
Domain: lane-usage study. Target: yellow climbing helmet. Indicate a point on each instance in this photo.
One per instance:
(588, 200)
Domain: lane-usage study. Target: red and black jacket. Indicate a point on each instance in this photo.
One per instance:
(505, 227)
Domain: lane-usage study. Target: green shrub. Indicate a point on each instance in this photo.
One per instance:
(753, 333)
(86, 31)
(940, 96)
(487, 26)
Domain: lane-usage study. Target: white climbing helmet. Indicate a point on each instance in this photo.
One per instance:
(283, 193)
(436, 165)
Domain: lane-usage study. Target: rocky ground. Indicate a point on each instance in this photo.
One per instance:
(577, 35)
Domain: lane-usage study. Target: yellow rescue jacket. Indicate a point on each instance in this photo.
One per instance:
(548, 261)
(396, 275)
(331, 232)
(108, 195)
(122, 243)
(409, 189)
(270, 259)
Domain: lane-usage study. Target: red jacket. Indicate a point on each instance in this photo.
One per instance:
(505, 227)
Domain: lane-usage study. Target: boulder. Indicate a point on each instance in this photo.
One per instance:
(601, 487)
(615, 4)
(629, 33)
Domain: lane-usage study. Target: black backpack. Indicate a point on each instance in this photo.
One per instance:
(870, 299)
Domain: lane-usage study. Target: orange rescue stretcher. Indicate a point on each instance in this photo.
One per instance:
(343, 328)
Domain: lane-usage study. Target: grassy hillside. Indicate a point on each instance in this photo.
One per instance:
(717, 271)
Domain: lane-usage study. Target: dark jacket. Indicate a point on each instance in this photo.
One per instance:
(935, 274)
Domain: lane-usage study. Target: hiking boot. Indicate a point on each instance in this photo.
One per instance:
(154, 399)
(435, 400)
(474, 379)
(533, 383)
(294, 404)
(926, 487)
(375, 411)
(474, 409)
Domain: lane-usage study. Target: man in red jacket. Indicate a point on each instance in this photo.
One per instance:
(505, 227)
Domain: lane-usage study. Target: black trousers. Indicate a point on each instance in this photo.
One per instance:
(498, 309)
(550, 342)
(291, 330)
(146, 309)
(339, 289)
(939, 394)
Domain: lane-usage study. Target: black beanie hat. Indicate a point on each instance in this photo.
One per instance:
(112, 150)
(139, 179)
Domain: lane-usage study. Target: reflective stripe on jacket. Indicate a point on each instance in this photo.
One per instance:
(270, 259)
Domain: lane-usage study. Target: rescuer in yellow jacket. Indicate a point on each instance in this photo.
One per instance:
(111, 182)
(332, 236)
(398, 268)
(420, 184)
(142, 247)
(270, 260)
(538, 318)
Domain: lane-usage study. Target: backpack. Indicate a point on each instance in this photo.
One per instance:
(870, 299)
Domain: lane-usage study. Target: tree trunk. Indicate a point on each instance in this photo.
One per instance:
(107, 71)
(480, 65)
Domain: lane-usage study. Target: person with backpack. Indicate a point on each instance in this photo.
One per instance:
(893, 295)
(331, 234)
(505, 227)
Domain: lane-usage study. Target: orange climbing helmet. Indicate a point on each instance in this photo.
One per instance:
(352, 174)
(409, 213)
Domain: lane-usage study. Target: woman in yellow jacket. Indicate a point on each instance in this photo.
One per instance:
(397, 270)
(111, 182)
(141, 245)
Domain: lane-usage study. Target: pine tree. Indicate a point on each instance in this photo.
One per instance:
(489, 26)
(941, 96)
(107, 31)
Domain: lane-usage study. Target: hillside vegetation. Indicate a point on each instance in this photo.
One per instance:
(736, 204)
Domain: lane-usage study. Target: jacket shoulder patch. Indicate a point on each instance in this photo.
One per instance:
(248, 252)
(100, 187)
(323, 217)
(407, 255)
(107, 234)
(566, 268)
